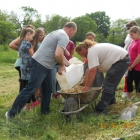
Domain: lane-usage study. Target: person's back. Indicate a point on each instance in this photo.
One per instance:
(46, 52)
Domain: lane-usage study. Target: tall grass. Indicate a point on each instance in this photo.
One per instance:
(7, 55)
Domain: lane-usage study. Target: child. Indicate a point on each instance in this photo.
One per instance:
(134, 67)
(39, 36)
(26, 52)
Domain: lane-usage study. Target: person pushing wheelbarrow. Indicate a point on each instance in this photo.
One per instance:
(111, 59)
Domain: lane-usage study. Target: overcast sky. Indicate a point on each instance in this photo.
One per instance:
(115, 9)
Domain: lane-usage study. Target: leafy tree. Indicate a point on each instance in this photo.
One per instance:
(84, 25)
(138, 21)
(102, 21)
(117, 32)
(55, 22)
(6, 32)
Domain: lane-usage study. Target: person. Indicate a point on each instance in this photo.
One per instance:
(26, 52)
(113, 60)
(128, 41)
(14, 45)
(134, 67)
(39, 36)
(50, 52)
(99, 74)
(68, 55)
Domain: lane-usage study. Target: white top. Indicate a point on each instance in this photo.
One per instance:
(104, 55)
(128, 41)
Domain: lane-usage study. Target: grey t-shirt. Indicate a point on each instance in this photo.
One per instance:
(45, 55)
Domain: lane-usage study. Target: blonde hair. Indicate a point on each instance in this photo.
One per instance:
(134, 29)
(86, 44)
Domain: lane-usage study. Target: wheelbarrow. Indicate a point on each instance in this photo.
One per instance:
(76, 102)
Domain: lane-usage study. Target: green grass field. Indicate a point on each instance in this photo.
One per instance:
(33, 126)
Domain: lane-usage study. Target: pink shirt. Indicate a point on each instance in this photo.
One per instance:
(134, 51)
(70, 47)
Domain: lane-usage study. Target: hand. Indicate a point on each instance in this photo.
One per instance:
(130, 68)
(61, 69)
(85, 88)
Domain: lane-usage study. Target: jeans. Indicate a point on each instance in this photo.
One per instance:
(39, 76)
(55, 83)
(111, 81)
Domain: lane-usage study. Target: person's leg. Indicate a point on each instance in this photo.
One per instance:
(111, 81)
(130, 84)
(46, 93)
(136, 76)
(37, 75)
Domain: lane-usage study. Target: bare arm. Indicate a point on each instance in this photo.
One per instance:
(89, 78)
(137, 60)
(15, 44)
(31, 51)
(59, 55)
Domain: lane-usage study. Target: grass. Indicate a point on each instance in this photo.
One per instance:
(33, 126)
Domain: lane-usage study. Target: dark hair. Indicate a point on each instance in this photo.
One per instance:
(70, 25)
(91, 33)
(130, 24)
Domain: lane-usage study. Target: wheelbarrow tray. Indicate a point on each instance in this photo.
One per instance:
(84, 97)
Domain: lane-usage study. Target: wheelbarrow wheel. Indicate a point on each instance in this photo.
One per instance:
(71, 105)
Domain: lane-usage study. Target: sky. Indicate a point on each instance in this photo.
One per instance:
(115, 9)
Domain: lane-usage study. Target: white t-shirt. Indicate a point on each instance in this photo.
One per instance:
(104, 55)
(128, 41)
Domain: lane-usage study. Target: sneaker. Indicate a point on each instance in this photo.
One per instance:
(124, 95)
(36, 103)
(7, 116)
(56, 96)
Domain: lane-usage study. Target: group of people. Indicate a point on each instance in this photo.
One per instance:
(100, 57)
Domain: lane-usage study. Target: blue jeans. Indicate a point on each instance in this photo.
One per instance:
(39, 76)
(111, 81)
(55, 83)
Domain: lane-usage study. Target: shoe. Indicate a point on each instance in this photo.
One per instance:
(97, 113)
(124, 95)
(56, 96)
(36, 103)
(7, 116)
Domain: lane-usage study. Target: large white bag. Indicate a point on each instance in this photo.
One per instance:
(71, 77)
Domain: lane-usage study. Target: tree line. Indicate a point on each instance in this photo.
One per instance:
(97, 22)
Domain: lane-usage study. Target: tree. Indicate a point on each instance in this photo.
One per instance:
(117, 32)
(55, 22)
(102, 21)
(6, 32)
(84, 25)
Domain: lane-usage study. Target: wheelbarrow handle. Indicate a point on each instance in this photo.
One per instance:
(137, 103)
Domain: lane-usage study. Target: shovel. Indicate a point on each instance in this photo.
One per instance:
(129, 112)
